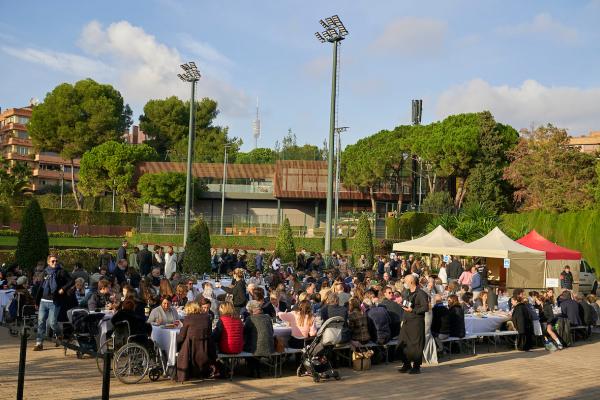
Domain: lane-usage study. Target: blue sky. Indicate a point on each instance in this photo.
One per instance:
(527, 62)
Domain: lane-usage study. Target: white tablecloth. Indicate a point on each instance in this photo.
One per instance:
(166, 339)
(475, 325)
(5, 298)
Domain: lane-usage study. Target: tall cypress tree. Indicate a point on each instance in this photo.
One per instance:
(33, 243)
(284, 247)
(363, 241)
(197, 250)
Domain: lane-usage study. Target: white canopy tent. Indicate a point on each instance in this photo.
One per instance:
(438, 241)
(526, 267)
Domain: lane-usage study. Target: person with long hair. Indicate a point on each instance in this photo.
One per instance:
(544, 304)
(237, 289)
(302, 322)
(165, 288)
(197, 355)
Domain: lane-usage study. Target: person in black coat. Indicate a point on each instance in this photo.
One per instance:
(570, 309)
(394, 310)
(145, 260)
(454, 269)
(238, 290)
(521, 318)
(440, 319)
(412, 334)
(137, 323)
(456, 317)
(566, 278)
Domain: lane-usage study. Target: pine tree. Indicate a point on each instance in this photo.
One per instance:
(363, 241)
(197, 250)
(33, 243)
(284, 247)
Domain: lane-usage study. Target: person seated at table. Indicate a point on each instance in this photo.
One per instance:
(100, 300)
(467, 302)
(258, 336)
(192, 292)
(147, 293)
(379, 322)
(456, 317)
(165, 288)
(592, 300)
(453, 287)
(208, 292)
(357, 323)
(24, 299)
(302, 322)
(237, 289)
(587, 313)
(570, 309)
(332, 308)
(164, 314)
(228, 334)
(258, 294)
(180, 298)
(521, 318)
(76, 294)
(3, 280)
(440, 319)
(154, 277)
(277, 303)
(481, 302)
(547, 318)
(197, 355)
(206, 306)
(137, 323)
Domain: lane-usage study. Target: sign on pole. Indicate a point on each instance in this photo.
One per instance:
(507, 263)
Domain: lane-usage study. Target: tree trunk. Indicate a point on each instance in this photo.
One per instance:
(401, 179)
(373, 204)
(125, 205)
(461, 190)
(75, 194)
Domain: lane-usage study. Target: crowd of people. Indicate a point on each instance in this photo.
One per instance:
(379, 303)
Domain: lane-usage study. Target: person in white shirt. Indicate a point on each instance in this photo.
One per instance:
(170, 262)
(442, 274)
(192, 293)
(276, 264)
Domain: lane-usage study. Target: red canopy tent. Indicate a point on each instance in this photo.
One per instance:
(534, 240)
(556, 257)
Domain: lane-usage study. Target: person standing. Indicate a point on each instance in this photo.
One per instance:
(75, 229)
(521, 318)
(476, 282)
(145, 260)
(454, 270)
(158, 260)
(122, 252)
(566, 278)
(259, 260)
(133, 258)
(412, 334)
(50, 296)
(170, 262)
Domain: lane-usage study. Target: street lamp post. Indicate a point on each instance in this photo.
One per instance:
(62, 184)
(191, 75)
(334, 32)
(338, 159)
(223, 188)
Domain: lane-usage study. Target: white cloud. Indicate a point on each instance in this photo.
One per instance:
(205, 51)
(572, 108)
(73, 64)
(544, 26)
(412, 36)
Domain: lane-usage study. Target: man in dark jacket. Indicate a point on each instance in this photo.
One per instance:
(379, 322)
(440, 320)
(122, 252)
(259, 260)
(394, 310)
(570, 309)
(521, 318)
(454, 270)
(566, 278)
(145, 260)
(412, 334)
(50, 297)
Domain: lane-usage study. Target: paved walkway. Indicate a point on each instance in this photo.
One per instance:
(571, 373)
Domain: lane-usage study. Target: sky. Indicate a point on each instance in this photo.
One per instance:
(528, 62)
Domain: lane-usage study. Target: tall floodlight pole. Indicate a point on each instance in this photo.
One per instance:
(417, 111)
(191, 75)
(334, 33)
(223, 188)
(338, 159)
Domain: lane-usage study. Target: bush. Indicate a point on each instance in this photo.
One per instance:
(284, 247)
(5, 214)
(197, 251)
(413, 224)
(82, 217)
(33, 238)
(363, 241)
(392, 228)
(438, 202)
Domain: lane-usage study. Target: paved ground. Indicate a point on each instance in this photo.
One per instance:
(571, 373)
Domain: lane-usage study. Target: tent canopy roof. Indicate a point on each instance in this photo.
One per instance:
(438, 241)
(497, 245)
(553, 251)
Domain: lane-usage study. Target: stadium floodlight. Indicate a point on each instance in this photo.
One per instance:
(329, 21)
(323, 24)
(320, 38)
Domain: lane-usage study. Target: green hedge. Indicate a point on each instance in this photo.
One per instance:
(412, 224)
(11, 233)
(83, 217)
(578, 230)
(392, 228)
(67, 257)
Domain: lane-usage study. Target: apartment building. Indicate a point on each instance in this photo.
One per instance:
(587, 144)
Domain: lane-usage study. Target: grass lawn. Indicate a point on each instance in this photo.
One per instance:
(89, 242)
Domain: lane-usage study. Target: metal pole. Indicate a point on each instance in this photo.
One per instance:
(190, 157)
(22, 360)
(62, 184)
(337, 182)
(330, 156)
(113, 197)
(106, 376)
(420, 182)
(223, 189)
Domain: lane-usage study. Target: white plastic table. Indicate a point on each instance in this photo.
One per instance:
(474, 325)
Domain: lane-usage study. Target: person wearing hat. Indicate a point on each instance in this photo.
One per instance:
(566, 278)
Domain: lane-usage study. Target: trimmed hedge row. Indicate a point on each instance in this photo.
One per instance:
(67, 257)
(409, 225)
(579, 230)
(82, 217)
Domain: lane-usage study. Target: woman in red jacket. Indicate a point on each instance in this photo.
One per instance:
(229, 332)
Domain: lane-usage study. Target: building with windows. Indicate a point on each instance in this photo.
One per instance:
(266, 193)
(587, 144)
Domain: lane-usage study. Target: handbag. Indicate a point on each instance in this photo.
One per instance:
(361, 359)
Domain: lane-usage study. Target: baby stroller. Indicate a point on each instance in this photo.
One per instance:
(315, 357)
(83, 328)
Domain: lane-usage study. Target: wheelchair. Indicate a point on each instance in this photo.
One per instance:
(134, 356)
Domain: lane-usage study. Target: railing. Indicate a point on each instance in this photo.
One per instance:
(232, 188)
